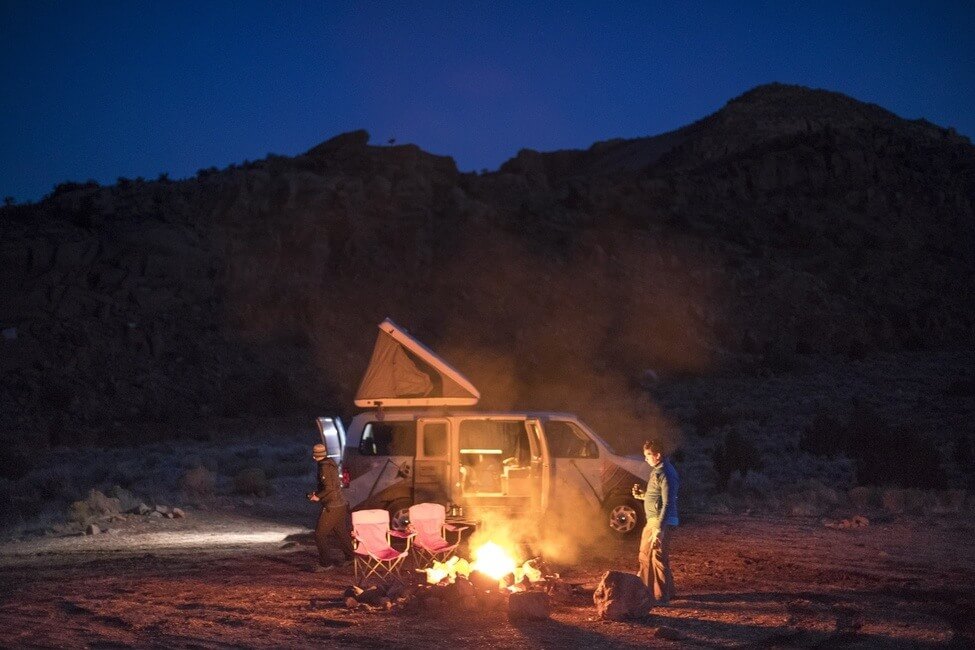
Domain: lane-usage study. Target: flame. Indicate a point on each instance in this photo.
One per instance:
(490, 559)
(493, 560)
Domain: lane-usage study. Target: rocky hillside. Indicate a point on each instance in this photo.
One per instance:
(791, 224)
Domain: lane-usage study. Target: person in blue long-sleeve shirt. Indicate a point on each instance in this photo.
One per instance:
(660, 505)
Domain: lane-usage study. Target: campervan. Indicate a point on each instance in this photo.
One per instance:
(419, 440)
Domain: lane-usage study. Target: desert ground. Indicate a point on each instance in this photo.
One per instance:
(233, 578)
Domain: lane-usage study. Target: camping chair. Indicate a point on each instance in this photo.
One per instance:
(428, 523)
(374, 553)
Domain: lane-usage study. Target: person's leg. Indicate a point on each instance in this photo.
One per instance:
(322, 529)
(343, 533)
(663, 578)
(646, 539)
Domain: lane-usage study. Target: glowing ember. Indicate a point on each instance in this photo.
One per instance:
(493, 560)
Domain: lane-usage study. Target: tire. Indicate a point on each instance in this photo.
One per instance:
(624, 516)
(399, 514)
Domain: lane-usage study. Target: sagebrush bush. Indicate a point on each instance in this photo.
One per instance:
(198, 482)
(252, 481)
(735, 453)
(710, 417)
(883, 454)
(825, 436)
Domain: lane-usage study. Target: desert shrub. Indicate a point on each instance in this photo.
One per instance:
(883, 454)
(734, 454)
(127, 500)
(825, 436)
(252, 481)
(54, 483)
(95, 506)
(197, 482)
(862, 497)
(963, 452)
(15, 462)
(710, 417)
(8, 513)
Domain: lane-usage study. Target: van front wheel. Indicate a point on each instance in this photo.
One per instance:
(399, 514)
(624, 516)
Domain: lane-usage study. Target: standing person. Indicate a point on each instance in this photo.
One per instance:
(333, 519)
(660, 506)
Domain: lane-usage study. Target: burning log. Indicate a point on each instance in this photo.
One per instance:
(482, 581)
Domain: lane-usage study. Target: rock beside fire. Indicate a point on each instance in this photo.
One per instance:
(528, 605)
(620, 596)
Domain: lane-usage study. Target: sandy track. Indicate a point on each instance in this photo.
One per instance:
(741, 581)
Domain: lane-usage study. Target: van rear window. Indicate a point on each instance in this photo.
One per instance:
(388, 439)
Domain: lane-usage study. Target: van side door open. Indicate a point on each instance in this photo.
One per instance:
(431, 471)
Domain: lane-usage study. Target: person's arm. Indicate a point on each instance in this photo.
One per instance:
(329, 478)
(665, 504)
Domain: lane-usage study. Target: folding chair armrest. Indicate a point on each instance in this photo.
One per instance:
(453, 529)
(401, 535)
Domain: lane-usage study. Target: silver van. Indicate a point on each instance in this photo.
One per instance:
(419, 442)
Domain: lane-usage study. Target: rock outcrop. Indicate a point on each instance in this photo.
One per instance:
(789, 224)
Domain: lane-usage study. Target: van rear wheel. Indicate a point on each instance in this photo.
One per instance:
(399, 514)
(623, 516)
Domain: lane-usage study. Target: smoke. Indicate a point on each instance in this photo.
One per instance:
(571, 528)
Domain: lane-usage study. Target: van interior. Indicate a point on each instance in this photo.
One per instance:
(495, 458)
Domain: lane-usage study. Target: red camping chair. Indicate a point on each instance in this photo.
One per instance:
(428, 523)
(374, 553)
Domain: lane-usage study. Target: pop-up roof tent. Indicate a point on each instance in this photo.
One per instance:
(404, 372)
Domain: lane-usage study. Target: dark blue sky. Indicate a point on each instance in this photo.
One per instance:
(107, 89)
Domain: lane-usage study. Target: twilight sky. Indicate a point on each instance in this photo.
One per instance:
(132, 88)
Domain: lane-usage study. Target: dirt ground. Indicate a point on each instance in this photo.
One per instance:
(218, 580)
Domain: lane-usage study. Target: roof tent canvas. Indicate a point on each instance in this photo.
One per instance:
(404, 372)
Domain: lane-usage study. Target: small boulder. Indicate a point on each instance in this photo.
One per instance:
(143, 509)
(155, 514)
(528, 605)
(93, 529)
(620, 596)
(178, 513)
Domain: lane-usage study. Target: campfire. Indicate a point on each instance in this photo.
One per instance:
(494, 562)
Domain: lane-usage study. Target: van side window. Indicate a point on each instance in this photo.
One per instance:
(435, 439)
(388, 439)
(566, 440)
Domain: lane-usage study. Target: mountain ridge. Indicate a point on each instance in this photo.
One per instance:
(790, 224)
